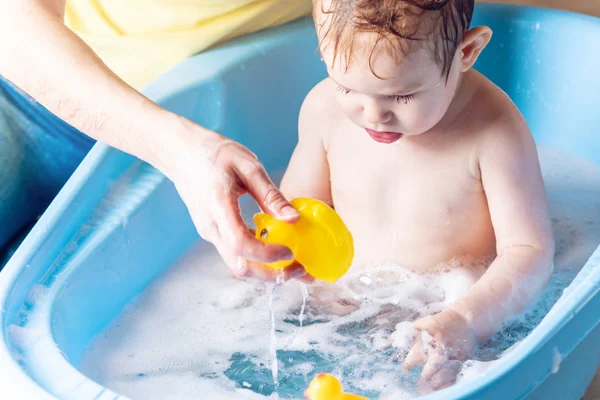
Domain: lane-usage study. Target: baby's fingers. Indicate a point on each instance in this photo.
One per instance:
(447, 376)
(415, 356)
(435, 362)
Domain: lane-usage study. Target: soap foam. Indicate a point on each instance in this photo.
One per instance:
(198, 333)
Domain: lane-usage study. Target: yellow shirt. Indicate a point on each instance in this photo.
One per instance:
(140, 39)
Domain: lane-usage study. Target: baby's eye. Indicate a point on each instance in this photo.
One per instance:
(342, 89)
(403, 98)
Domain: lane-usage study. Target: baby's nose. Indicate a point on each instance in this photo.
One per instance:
(375, 114)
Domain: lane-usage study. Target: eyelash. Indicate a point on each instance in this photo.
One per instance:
(405, 99)
(397, 98)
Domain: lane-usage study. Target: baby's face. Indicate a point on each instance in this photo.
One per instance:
(409, 95)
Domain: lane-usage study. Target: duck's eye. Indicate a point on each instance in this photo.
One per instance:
(264, 234)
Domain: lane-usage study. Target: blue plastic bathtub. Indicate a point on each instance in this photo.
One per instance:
(118, 223)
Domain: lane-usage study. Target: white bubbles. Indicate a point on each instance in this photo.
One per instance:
(198, 333)
(36, 295)
(197, 323)
(404, 336)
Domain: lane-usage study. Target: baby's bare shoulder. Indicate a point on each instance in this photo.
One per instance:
(494, 119)
(496, 131)
(320, 112)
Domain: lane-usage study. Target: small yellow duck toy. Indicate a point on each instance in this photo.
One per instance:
(320, 240)
(327, 387)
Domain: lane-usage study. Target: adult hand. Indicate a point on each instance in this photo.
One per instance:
(210, 173)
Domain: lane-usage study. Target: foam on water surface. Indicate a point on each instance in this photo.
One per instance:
(198, 333)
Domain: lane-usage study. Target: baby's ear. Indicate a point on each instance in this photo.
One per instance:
(473, 43)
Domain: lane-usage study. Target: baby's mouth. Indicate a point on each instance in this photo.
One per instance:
(384, 137)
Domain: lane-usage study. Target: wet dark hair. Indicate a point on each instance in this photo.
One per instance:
(398, 23)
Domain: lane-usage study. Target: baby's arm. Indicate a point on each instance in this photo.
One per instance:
(307, 174)
(511, 177)
(516, 196)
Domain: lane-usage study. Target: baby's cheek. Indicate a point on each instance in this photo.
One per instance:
(349, 112)
(420, 119)
(431, 112)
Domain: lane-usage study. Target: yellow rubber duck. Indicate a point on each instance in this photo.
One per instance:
(320, 240)
(327, 387)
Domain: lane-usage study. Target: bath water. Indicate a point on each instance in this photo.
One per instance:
(198, 333)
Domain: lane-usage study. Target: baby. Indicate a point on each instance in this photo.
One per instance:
(426, 161)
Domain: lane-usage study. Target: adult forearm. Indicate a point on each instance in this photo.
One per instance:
(52, 64)
(44, 58)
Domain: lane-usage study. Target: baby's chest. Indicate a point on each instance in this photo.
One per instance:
(387, 186)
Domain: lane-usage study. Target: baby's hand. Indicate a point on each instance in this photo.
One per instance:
(449, 341)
